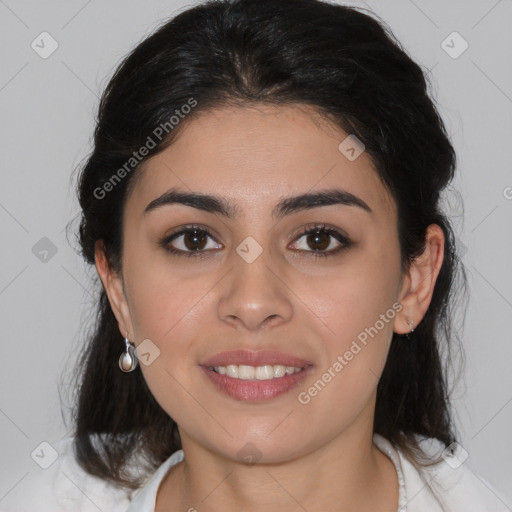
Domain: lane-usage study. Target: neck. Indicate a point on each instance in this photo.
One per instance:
(346, 474)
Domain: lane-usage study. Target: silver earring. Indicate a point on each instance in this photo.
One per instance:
(128, 360)
(410, 323)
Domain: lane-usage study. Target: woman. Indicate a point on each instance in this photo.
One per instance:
(262, 207)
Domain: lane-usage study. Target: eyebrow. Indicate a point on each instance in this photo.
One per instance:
(213, 204)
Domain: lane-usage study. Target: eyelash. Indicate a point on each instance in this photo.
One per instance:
(310, 229)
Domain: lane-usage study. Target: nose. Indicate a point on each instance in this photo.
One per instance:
(254, 295)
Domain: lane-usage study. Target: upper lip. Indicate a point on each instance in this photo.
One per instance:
(255, 358)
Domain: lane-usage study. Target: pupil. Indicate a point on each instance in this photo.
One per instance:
(316, 239)
(194, 238)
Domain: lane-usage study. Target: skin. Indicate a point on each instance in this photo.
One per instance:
(319, 455)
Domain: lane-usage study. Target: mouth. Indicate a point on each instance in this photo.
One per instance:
(255, 376)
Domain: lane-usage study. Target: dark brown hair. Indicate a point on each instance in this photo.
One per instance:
(347, 65)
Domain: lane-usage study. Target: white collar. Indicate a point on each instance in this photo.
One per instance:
(145, 499)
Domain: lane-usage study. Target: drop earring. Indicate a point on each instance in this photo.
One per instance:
(128, 360)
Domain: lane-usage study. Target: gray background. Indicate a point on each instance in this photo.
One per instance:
(47, 110)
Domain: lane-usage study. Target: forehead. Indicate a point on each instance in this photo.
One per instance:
(254, 155)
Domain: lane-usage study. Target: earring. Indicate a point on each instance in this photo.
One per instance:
(410, 323)
(127, 360)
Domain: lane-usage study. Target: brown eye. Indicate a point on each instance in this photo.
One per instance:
(195, 240)
(320, 241)
(190, 242)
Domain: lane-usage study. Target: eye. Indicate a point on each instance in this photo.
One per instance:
(320, 240)
(317, 240)
(190, 241)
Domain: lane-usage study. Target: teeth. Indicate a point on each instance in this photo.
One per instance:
(265, 372)
(279, 370)
(246, 372)
(262, 372)
(232, 371)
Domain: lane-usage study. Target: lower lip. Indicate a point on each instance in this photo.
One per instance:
(256, 390)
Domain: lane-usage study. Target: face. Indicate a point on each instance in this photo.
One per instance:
(316, 283)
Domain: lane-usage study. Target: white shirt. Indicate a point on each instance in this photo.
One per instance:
(65, 487)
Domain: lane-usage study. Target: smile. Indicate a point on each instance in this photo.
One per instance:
(255, 383)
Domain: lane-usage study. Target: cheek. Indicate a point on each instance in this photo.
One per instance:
(169, 310)
(357, 310)
(358, 297)
(162, 298)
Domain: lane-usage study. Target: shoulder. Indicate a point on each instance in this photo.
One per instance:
(63, 486)
(448, 484)
(460, 487)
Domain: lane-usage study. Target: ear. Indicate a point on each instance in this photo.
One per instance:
(418, 284)
(114, 287)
